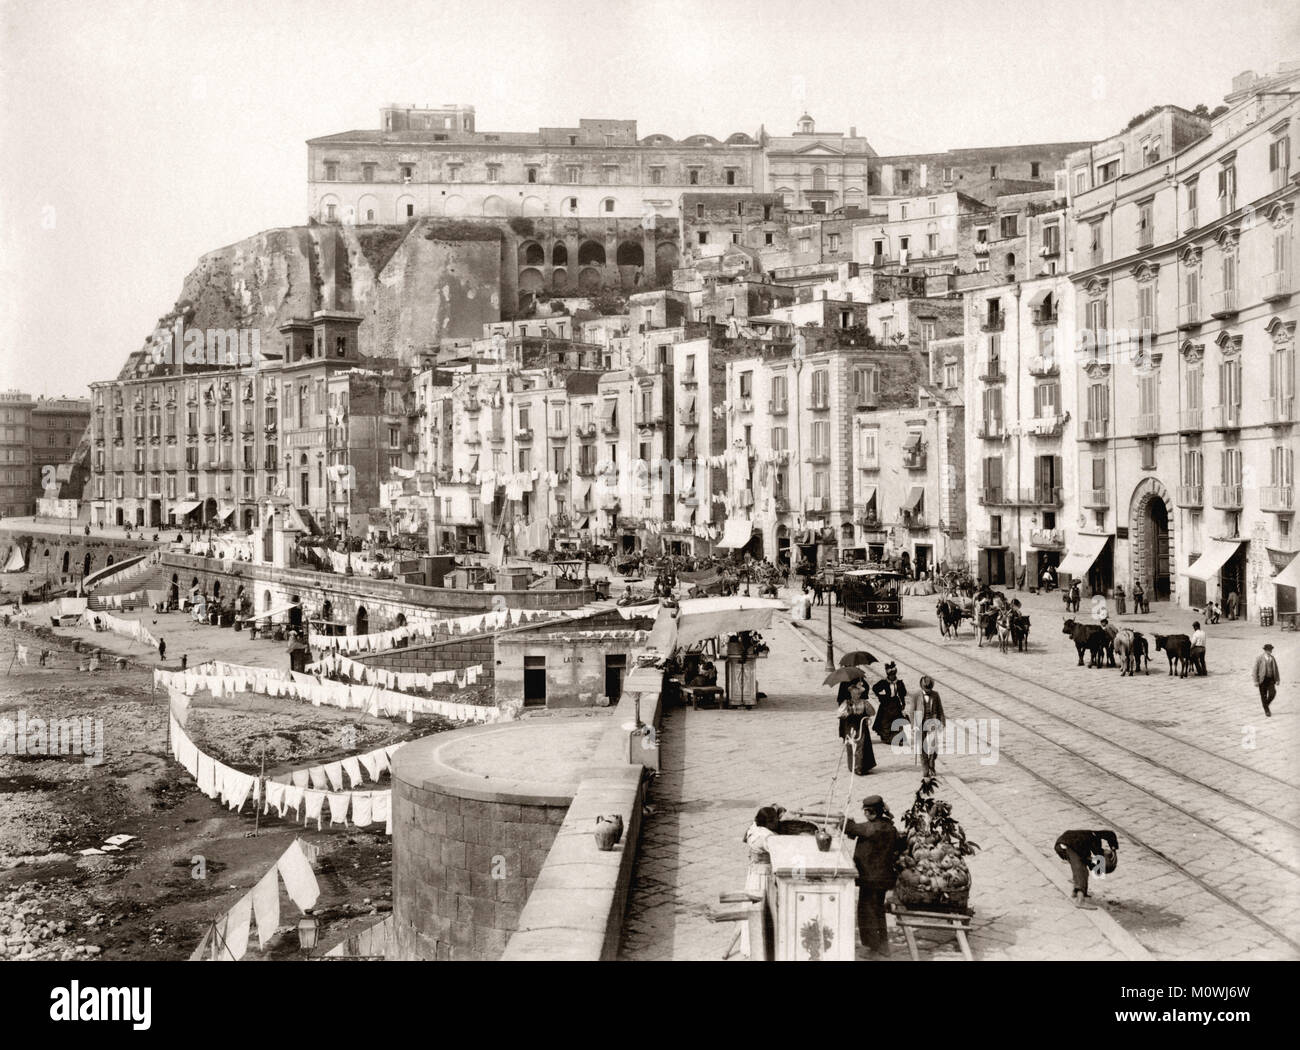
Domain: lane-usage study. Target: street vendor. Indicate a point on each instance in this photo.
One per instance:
(706, 677)
(767, 822)
(873, 855)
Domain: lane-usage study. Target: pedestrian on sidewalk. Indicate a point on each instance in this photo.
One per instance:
(1233, 602)
(1266, 677)
(873, 855)
(1079, 848)
(892, 696)
(854, 712)
(162, 649)
(1198, 649)
(928, 720)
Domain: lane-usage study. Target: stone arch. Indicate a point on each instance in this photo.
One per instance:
(630, 254)
(560, 279)
(560, 254)
(363, 620)
(454, 205)
(1150, 502)
(819, 178)
(266, 601)
(591, 253)
(494, 206)
(367, 209)
(404, 204)
(67, 560)
(589, 280)
(666, 259)
(401, 619)
(532, 254)
(85, 564)
(1011, 260)
(533, 206)
(531, 282)
(330, 209)
(109, 562)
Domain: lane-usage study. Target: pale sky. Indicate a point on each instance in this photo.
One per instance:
(135, 135)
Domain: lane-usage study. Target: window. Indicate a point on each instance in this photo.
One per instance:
(703, 237)
(747, 384)
(573, 173)
(821, 439)
(932, 243)
(699, 211)
(1147, 306)
(950, 375)
(1230, 383)
(768, 239)
(820, 388)
(805, 244)
(1281, 377)
(1098, 474)
(731, 176)
(993, 171)
(1146, 234)
(609, 205)
(331, 171)
(780, 439)
(1279, 161)
(408, 172)
(1052, 239)
(609, 174)
(1281, 466)
(531, 174)
(1008, 225)
(1193, 467)
(1047, 399)
(902, 211)
(657, 176)
(494, 173)
(1033, 169)
(1230, 466)
(1098, 402)
(868, 446)
(1108, 171)
(1193, 383)
(1227, 189)
(367, 173)
(693, 176)
(1080, 181)
(453, 173)
(833, 242)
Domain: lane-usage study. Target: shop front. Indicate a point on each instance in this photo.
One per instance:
(1090, 561)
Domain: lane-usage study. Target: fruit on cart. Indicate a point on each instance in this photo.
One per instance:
(932, 871)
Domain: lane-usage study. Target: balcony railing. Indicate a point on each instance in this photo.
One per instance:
(993, 323)
(1096, 429)
(1043, 366)
(1281, 411)
(1226, 497)
(690, 380)
(1146, 423)
(866, 401)
(819, 458)
(651, 421)
(817, 504)
(1190, 495)
(988, 538)
(1190, 421)
(914, 520)
(1146, 237)
(1096, 498)
(778, 407)
(1189, 220)
(991, 429)
(781, 504)
(914, 460)
(610, 426)
(691, 419)
(820, 403)
(1049, 538)
(1277, 285)
(1277, 498)
(991, 372)
(1035, 496)
(1189, 314)
(586, 430)
(1224, 303)
(869, 464)
(1227, 417)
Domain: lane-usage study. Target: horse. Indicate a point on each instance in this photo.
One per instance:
(950, 615)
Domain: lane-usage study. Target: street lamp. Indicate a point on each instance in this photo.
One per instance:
(830, 644)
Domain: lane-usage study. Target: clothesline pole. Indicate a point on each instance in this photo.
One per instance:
(261, 794)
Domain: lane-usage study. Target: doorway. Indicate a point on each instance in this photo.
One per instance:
(1232, 579)
(1155, 567)
(534, 681)
(615, 668)
(363, 620)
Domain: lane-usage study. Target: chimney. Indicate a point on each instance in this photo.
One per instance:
(853, 132)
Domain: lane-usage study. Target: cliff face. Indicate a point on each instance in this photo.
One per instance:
(412, 285)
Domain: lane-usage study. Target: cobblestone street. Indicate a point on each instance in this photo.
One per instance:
(1198, 785)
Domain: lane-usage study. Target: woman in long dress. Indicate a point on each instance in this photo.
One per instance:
(855, 712)
(759, 876)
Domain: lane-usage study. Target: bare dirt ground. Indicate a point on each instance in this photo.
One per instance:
(190, 859)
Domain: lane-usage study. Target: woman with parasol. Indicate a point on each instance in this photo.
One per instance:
(853, 712)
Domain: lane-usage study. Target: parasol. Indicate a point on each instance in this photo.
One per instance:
(858, 658)
(846, 674)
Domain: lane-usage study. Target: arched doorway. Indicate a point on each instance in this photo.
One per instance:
(67, 560)
(85, 565)
(209, 511)
(304, 481)
(363, 620)
(783, 547)
(1152, 538)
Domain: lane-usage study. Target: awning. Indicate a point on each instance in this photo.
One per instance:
(584, 523)
(690, 406)
(868, 495)
(188, 507)
(1212, 559)
(914, 497)
(913, 440)
(1083, 552)
(736, 533)
(1290, 576)
(1039, 298)
(610, 415)
(15, 562)
(272, 613)
(699, 619)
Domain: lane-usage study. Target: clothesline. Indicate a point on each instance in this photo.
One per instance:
(377, 642)
(403, 681)
(226, 940)
(217, 780)
(134, 629)
(222, 680)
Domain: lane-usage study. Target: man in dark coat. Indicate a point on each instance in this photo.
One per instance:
(874, 855)
(892, 695)
(1078, 848)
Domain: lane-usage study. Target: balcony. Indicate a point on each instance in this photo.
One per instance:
(1096, 429)
(1277, 285)
(781, 504)
(1226, 497)
(1043, 367)
(557, 433)
(818, 458)
(819, 404)
(690, 419)
(1224, 303)
(1278, 499)
(914, 460)
(1047, 539)
(1191, 421)
(1044, 316)
(1146, 423)
(981, 248)
(1189, 220)
(1189, 315)
(586, 430)
(1096, 498)
(471, 404)
(987, 538)
(524, 434)
(1045, 426)
(610, 426)
(1190, 496)
(1281, 411)
(914, 520)
(778, 407)
(990, 429)
(649, 422)
(690, 380)
(993, 323)
(869, 464)
(866, 401)
(817, 505)
(991, 372)
(745, 404)
(586, 470)
(992, 496)
(1226, 417)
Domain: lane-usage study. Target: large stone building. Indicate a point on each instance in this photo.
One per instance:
(319, 427)
(1184, 265)
(16, 498)
(57, 425)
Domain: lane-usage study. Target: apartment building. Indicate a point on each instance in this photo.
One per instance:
(57, 427)
(1184, 270)
(16, 470)
(1019, 383)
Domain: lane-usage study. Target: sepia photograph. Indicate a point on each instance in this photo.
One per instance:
(650, 482)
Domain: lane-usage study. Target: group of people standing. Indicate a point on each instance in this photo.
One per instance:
(895, 715)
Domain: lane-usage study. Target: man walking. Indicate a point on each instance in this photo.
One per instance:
(1267, 677)
(874, 855)
(1079, 848)
(1198, 649)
